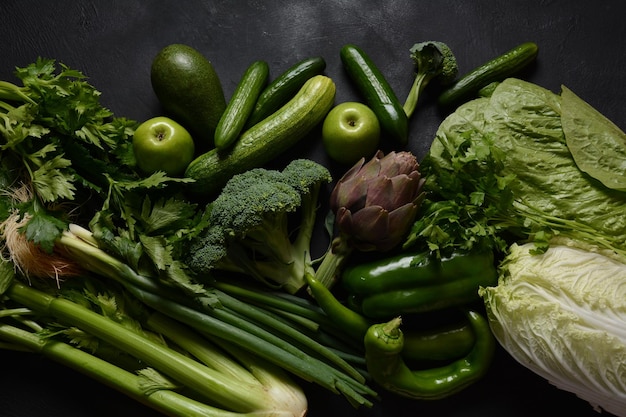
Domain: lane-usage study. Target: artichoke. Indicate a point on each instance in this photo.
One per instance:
(375, 202)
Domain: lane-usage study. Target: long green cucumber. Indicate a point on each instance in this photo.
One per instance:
(266, 140)
(284, 87)
(377, 92)
(241, 104)
(497, 69)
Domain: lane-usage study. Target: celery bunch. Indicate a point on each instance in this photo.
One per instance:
(219, 380)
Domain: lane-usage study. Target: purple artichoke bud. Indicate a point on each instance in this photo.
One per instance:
(375, 203)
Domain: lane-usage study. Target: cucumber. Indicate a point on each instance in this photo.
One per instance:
(241, 104)
(284, 87)
(264, 141)
(377, 92)
(497, 69)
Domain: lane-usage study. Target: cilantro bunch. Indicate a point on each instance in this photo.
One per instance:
(468, 206)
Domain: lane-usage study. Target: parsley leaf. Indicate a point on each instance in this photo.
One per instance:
(52, 181)
(43, 229)
(73, 149)
(166, 215)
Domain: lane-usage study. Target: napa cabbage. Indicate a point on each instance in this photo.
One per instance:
(562, 314)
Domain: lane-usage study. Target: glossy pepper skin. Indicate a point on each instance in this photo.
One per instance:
(384, 344)
(437, 344)
(354, 324)
(442, 343)
(417, 283)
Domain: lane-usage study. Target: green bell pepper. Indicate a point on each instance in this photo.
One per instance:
(417, 282)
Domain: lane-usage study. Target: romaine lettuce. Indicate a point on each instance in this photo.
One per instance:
(597, 144)
(517, 133)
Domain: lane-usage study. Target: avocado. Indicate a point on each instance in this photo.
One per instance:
(190, 91)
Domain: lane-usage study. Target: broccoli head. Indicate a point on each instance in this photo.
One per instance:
(432, 59)
(261, 225)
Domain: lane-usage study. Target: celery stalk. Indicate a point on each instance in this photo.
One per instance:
(165, 401)
(219, 355)
(214, 386)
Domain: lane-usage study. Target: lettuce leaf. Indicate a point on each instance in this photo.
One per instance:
(597, 144)
(517, 134)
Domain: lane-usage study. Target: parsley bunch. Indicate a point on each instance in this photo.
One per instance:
(70, 155)
(467, 206)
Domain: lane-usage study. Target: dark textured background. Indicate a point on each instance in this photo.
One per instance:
(113, 42)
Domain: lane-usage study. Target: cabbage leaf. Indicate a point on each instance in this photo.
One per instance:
(562, 314)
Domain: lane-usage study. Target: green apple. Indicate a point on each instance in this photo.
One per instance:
(350, 131)
(162, 144)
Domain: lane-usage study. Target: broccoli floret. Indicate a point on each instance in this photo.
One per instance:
(253, 228)
(432, 60)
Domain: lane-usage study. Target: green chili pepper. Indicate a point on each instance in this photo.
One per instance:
(439, 343)
(384, 344)
(353, 323)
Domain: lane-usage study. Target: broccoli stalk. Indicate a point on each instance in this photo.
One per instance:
(261, 224)
(432, 60)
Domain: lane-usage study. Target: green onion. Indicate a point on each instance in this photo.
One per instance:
(245, 327)
(164, 400)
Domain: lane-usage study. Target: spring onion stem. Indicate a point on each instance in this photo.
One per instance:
(205, 381)
(298, 337)
(303, 366)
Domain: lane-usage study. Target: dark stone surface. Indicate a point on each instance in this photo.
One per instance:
(113, 42)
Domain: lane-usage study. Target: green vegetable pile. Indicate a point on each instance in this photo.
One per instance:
(78, 210)
(199, 295)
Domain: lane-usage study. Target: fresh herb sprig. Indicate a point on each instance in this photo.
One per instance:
(65, 147)
(466, 206)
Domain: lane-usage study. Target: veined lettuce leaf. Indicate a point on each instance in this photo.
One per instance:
(597, 144)
(518, 132)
